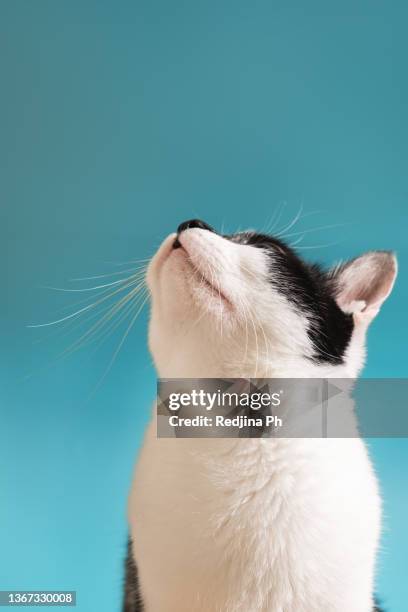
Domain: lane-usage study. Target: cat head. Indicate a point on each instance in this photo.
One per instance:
(246, 305)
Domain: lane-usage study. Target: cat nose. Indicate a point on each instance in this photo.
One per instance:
(191, 224)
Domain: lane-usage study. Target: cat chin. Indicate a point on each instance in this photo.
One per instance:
(205, 270)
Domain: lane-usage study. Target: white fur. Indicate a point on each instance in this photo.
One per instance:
(232, 525)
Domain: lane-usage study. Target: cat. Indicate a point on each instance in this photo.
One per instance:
(255, 525)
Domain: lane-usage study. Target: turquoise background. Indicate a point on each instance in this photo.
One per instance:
(119, 120)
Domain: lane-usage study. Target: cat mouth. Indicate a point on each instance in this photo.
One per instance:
(203, 280)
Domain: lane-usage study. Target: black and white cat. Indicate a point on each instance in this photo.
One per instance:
(255, 525)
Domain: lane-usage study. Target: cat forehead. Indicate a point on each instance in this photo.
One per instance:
(256, 239)
(285, 262)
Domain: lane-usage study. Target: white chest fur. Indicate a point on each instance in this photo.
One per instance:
(287, 525)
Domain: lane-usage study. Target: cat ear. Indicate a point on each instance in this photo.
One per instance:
(364, 283)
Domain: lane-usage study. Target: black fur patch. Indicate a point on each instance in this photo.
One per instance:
(132, 601)
(312, 291)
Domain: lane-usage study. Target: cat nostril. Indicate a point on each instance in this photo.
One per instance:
(194, 223)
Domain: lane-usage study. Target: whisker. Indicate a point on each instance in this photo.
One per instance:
(126, 310)
(125, 335)
(106, 292)
(139, 270)
(216, 286)
(276, 219)
(322, 246)
(315, 229)
(277, 215)
(126, 263)
(78, 312)
(69, 326)
(264, 228)
(74, 314)
(265, 341)
(310, 213)
(101, 322)
(290, 225)
(244, 311)
(256, 342)
(297, 241)
(118, 282)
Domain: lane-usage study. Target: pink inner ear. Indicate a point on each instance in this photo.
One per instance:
(367, 280)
